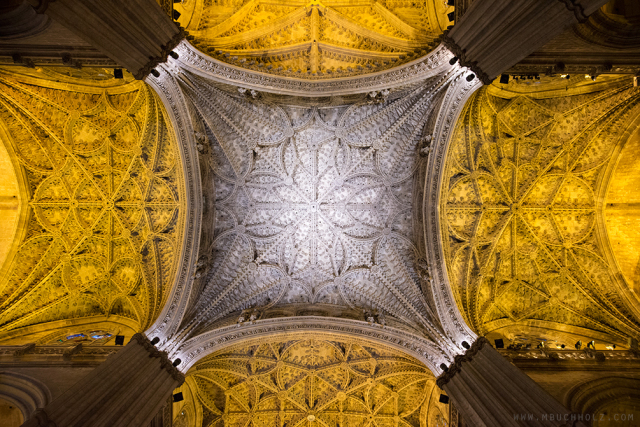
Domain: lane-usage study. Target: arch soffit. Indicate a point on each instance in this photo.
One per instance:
(432, 64)
(27, 393)
(447, 115)
(303, 327)
(175, 105)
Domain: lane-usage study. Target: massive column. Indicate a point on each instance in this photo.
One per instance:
(493, 35)
(128, 389)
(489, 391)
(137, 34)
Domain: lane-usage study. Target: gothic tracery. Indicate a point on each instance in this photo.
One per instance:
(522, 210)
(103, 215)
(311, 382)
(315, 40)
(314, 204)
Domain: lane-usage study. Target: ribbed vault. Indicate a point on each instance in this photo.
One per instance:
(311, 382)
(523, 213)
(103, 220)
(314, 39)
(315, 205)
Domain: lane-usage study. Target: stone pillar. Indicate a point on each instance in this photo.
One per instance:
(137, 34)
(489, 391)
(493, 35)
(128, 389)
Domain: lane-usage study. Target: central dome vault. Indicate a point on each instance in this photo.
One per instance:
(314, 204)
(313, 195)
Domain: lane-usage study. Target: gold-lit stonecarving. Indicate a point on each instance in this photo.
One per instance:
(521, 217)
(314, 39)
(314, 382)
(104, 220)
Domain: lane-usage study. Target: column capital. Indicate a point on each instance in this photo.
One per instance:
(456, 366)
(165, 50)
(165, 363)
(460, 53)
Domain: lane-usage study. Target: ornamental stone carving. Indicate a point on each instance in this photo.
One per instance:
(313, 381)
(522, 222)
(314, 205)
(317, 40)
(106, 215)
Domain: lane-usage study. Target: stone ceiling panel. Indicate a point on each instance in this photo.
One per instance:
(522, 211)
(314, 205)
(313, 382)
(103, 228)
(313, 39)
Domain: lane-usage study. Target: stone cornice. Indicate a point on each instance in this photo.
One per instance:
(460, 359)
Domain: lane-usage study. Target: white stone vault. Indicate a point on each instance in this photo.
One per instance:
(315, 205)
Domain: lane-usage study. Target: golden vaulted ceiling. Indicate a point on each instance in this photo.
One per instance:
(539, 210)
(314, 39)
(98, 206)
(310, 383)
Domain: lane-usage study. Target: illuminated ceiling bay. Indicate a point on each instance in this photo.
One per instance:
(315, 204)
(313, 39)
(522, 208)
(102, 230)
(310, 383)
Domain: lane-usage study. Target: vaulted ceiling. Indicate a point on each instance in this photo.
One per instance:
(314, 205)
(538, 214)
(100, 211)
(314, 39)
(311, 382)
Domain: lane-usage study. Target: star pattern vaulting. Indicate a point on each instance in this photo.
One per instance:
(103, 215)
(313, 383)
(314, 204)
(521, 211)
(311, 214)
(314, 39)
